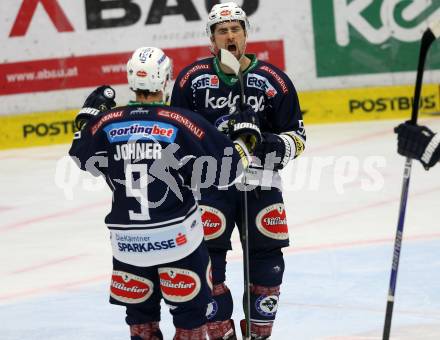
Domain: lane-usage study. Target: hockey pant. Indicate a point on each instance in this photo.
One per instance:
(185, 285)
(268, 234)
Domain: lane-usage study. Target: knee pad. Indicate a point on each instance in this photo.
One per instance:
(221, 306)
(266, 267)
(146, 331)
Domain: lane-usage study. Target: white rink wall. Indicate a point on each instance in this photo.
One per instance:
(325, 45)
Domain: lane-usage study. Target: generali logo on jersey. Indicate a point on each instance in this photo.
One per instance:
(272, 222)
(132, 10)
(179, 285)
(213, 221)
(130, 288)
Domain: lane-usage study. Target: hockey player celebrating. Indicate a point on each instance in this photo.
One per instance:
(418, 142)
(146, 152)
(273, 116)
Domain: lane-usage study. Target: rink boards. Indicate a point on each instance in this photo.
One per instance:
(324, 106)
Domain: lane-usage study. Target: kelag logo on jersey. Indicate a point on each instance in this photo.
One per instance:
(214, 102)
(261, 83)
(141, 130)
(204, 81)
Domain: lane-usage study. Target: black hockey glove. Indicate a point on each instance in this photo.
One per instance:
(273, 152)
(246, 126)
(418, 142)
(100, 100)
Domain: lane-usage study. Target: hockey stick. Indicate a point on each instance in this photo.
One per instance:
(432, 33)
(228, 59)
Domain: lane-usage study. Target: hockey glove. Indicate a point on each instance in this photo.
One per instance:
(274, 151)
(418, 142)
(246, 126)
(100, 100)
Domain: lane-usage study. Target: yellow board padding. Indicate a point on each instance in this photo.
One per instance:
(370, 103)
(323, 106)
(36, 129)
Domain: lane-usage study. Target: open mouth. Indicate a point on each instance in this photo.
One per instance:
(232, 48)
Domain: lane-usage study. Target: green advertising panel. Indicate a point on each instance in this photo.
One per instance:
(371, 36)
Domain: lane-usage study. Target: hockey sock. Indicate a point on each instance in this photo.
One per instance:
(220, 325)
(193, 334)
(264, 305)
(146, 331)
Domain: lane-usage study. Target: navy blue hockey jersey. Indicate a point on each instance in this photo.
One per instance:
(203, 87)
(150, 156)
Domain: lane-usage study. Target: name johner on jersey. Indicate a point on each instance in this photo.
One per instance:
(138, 151)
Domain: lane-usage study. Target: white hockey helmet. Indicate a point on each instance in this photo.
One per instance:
(228, 11)
(149, 69)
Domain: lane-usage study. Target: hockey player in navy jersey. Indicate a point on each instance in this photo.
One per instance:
(149, 154)
(207, 88)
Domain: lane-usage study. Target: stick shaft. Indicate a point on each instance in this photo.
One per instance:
(427, 39)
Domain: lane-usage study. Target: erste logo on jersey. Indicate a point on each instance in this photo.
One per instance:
(213, 221)
(204, 81)
(178, 285)
(129, 288)
(272, 222)
(141, 130)
(256, 81)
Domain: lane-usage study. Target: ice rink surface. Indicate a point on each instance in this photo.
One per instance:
(342, 199)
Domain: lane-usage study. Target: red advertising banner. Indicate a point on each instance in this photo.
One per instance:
(93, 70)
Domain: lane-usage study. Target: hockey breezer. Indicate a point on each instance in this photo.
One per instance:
(431, 34)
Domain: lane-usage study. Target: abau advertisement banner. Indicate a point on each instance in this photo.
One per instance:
(55, 51)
